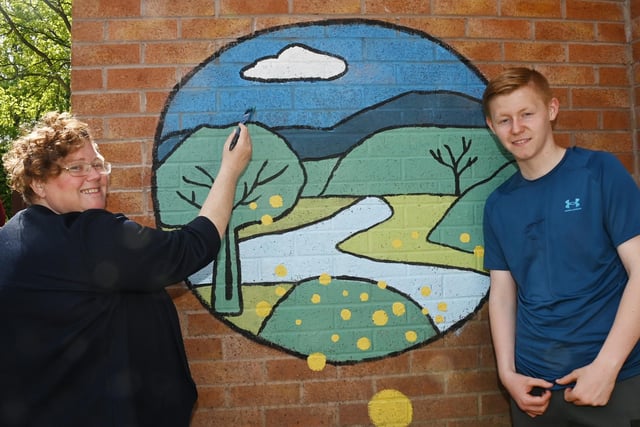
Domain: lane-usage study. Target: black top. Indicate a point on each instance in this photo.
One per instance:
(89, 336)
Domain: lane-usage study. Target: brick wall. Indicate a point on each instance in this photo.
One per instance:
(128, 56)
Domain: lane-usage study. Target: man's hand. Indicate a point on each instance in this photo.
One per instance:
(593, 385)
(532, 395)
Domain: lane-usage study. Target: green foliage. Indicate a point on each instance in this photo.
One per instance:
(35, 41)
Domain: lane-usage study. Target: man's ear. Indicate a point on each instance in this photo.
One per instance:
(554, 107)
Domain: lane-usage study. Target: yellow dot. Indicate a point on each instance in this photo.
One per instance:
(390, 408)
(253, 206)
(478, 251)
(276, 201)
(425, 311)
(382, 284)
(281, 270)
(364, 344)
(298, 322)
(263, 309)
(380, 318)
(465, 237)
(315, 298)
(411, 336)
(345, 314)
(442, 306)
(335, 337)
(415, 235)
(364, 297)
(425, 291)
(396, 243)
(345, 293)
(266, 220)
(439, 318)
(280, 291)
(316, 361)
(398, 308)
(324, 279)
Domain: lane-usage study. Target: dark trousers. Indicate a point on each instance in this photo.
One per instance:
(623, 410)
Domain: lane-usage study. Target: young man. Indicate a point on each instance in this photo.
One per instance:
(562, 243)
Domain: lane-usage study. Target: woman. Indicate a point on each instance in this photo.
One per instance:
(89, 335)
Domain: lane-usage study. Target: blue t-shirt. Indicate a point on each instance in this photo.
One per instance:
(558, 235)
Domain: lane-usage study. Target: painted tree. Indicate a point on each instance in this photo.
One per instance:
(456, 163)
(268, 188)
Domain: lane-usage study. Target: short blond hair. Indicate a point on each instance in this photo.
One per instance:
(510, 80)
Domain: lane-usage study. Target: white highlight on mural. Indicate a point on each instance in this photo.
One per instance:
(311, 251)
(297, 62)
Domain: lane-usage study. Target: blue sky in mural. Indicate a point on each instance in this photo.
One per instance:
(356, 65)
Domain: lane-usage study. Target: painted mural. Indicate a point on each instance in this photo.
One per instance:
(357, 227)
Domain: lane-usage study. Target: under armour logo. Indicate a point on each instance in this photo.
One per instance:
(572, 205)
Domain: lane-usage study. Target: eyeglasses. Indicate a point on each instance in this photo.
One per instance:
(84, 169)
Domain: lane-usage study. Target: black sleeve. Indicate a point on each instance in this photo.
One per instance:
(124, 255)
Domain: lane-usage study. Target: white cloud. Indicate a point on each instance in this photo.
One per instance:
(296, 62)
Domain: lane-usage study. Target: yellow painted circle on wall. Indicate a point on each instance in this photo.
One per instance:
(390, 408)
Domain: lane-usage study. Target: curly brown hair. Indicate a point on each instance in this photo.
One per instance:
(34, 156)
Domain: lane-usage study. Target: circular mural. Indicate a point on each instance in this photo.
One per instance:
(356, 232)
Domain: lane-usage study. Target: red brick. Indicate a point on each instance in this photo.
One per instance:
(243, 7)
(131, 127)
(599, 54)
(88, 31)
(518, 29)
(268, 394)
(539, 8)
(611, 33)
(105, 103)
(337, 391)
(295, 369)
(212, 28)
(245, 417)
(467, 381)
(143, 29)
(600, 98)
(573, 75)
(326, 7)
(616, 120)
(306, 416)
(464, 7)
(130, 201)
(595, 10)
(225, 372)
(104, 8)
(386, 7)
(203, 348)
(435, 26)
(141, 78)
(534, 52)
(105, 54)
(205, 324)
(211, 396)
(182, 8)
(414, 385)
(179, 52)
(86, 80)
(439, 407)
(444, 359)
(578, 120)
(565, 31)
